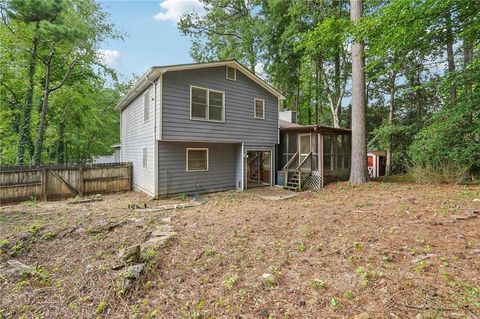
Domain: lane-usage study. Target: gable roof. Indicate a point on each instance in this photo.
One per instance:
(154, 72)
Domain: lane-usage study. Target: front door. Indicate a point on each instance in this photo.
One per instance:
(304, 146)
(258, 168)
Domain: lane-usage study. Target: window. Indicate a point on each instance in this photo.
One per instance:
(208, 105)
(146, 106)
(231, 73)
(144, 157)
(197, 159)
(259, 109)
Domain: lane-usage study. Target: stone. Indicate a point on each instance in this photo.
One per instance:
(363, 315)
(156, 241)
(130, 254)
(128, 276)
(268, 278)
(15, 268)
(476, 200)
(167, 220)
(419, 316)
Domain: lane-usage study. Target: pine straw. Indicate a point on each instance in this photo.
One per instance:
(361, 241)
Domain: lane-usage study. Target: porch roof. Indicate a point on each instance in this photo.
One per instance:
(285, 126)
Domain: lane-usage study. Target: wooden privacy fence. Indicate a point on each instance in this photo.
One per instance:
(57, 182)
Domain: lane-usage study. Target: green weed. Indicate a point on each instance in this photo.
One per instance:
(230, 281)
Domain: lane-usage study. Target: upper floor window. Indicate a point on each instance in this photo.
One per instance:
(146, 106)
(259, 109)
(207, 105)
(231, 73)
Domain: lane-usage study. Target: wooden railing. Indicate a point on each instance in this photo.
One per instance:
(291, 161)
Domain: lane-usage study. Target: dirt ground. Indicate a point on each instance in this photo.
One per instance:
(387, 249)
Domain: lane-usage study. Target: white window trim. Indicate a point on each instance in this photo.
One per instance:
(255, 108)
(145, 151)
(208, 105)
(234, 73)
(196, 149)
(146, 95)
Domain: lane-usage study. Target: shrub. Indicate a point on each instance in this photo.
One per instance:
(446, 173)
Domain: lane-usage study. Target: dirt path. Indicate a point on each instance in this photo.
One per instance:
(390, 250)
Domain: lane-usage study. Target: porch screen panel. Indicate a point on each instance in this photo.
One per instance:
(327, 153)
(292, 145)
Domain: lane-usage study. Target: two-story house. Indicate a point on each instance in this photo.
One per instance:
(199, 127)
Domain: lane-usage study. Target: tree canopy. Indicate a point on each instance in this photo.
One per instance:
(422, 60)
(57, 97)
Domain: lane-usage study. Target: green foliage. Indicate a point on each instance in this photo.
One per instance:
(317, 284)
(451, 143)
(229, 282)
(58, 41)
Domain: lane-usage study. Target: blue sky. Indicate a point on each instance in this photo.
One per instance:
(152, 36)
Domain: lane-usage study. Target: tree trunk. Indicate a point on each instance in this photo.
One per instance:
(336, 116)
(37, 155)
(61, 152)
(388, 165)
(450, 57)
(358, 173)
(24, 137)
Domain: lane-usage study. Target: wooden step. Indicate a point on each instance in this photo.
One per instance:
(291, 188)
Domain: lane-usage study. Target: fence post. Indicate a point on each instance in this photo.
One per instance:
(130, 176)
(80, 181)
(44, 184)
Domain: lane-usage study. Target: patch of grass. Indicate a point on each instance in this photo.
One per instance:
(348, 294)
(334, 302)
(17, 249)
(364, 204)
(49, 235)
(422, 266)
(34, 229)
(304, 231)
(230, 281)
(367, 275)
(317, 284)
(182, 196)
(33, 202)
(301, 247)
(358, 246)
(101, 307)
(210, 252)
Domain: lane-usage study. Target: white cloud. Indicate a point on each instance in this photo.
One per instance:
(172, 10)
(109, 57)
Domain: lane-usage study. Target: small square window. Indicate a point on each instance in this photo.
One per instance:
(146, 106)
(144, 157)
(197, 159)
(231, 73)
(259, 109)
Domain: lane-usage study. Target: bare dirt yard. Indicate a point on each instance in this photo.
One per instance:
(381, 250)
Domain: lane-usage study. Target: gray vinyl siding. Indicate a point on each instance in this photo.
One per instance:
(240, 124)
(173, 177)
(135, 135)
